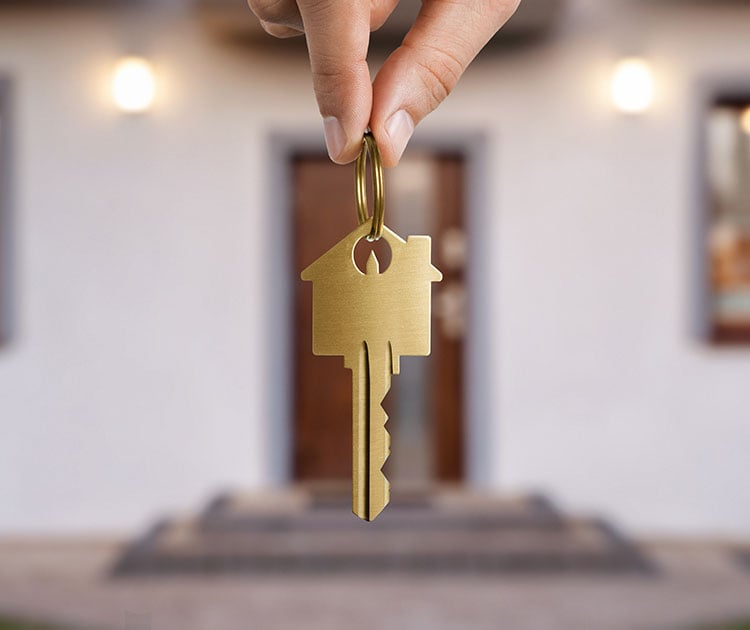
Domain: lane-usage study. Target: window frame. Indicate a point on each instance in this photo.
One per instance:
(711, 93)
(6, 197)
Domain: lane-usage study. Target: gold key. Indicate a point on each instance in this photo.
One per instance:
(372, 319)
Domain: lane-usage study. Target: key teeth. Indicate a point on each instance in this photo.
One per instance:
(373, 514)
(387, 440)
(379, 490)
(386, 484)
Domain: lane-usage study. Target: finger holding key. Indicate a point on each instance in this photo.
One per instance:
(418, 75)
(337, 39)
(415, 79)
(338, 35)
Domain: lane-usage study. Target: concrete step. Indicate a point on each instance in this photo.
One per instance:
(296, 533)
(439, 510)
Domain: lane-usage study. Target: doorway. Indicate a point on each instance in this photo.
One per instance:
(424, 195)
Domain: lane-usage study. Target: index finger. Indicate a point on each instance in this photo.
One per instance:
(338, 34)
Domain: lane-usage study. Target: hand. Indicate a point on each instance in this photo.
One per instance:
(415, 78)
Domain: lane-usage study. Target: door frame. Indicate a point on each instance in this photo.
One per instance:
(481, 369)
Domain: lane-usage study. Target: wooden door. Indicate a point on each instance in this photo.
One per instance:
(425, 404)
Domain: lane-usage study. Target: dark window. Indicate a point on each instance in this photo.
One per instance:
(728, 246)
(5, 194)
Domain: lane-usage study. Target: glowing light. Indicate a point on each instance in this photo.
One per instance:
(745, 120)
(632, 87)
(134, 85)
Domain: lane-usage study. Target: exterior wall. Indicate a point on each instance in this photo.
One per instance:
(137, 378)
(135, 382)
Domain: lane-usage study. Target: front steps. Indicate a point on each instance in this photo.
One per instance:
(314, 531)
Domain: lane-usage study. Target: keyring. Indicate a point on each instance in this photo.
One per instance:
(360, 186)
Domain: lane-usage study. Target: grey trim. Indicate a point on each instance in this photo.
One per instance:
(480, 409)
(481, 439)
(279, 295)
(6, 212)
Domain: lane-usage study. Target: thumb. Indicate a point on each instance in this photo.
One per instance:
(418, 75)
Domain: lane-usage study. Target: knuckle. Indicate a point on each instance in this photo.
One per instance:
(270, 11)
(439, 72)
(320, 8)
(329, 78)
(437, 87)
(328, 64)
(334, 82)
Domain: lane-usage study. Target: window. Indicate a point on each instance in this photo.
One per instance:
(5, 271)
(728, 145)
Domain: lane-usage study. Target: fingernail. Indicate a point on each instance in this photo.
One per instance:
(335, 137)
(399, 128)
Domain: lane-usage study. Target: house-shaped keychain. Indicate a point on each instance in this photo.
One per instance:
(372, 319)
(351, 307)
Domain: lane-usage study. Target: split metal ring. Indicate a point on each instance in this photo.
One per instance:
(360, 186)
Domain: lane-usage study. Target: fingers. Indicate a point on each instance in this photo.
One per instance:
(337, 38)
(417, 77)
(338, 34)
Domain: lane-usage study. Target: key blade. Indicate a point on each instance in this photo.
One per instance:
(371, 380)
(360, 433)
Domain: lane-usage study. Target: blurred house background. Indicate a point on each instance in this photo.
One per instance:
(593, 228)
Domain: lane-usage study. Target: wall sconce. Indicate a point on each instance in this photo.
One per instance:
(745, 120)
(134, 85)
(632, 86)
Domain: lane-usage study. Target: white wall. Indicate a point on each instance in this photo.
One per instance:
(136, 382)
(605, 395)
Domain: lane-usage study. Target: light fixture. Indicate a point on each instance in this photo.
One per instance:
(134, 85)
(632, 86)
(745, 120)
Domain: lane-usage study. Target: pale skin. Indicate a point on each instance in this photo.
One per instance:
(412, 82)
